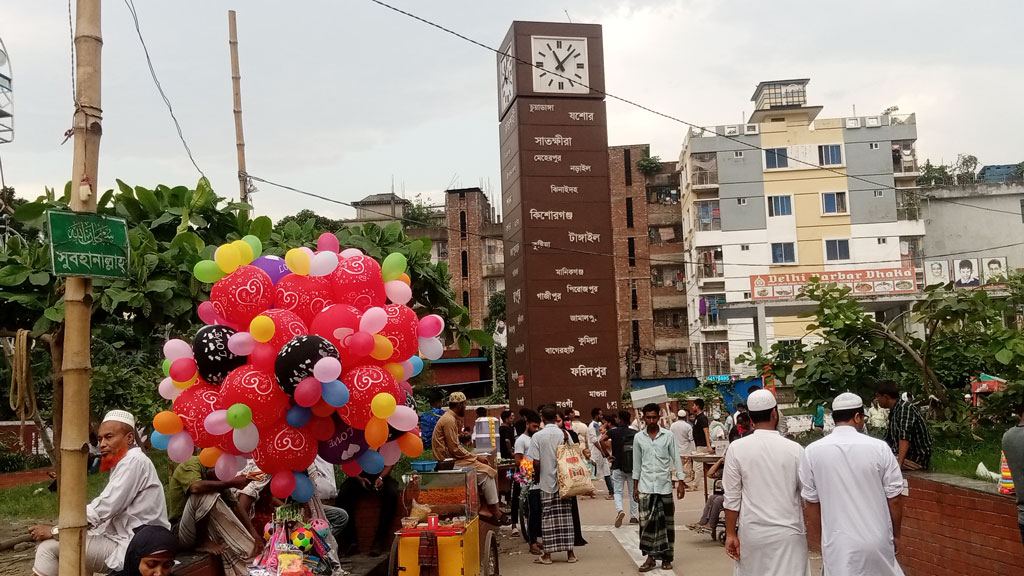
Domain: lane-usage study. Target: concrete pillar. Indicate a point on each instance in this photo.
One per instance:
(761, 327)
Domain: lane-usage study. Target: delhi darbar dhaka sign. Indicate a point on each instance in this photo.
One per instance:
(88, 245)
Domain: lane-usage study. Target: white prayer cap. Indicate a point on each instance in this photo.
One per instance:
(761, 400)
(847, 401)
(122, 416)
(681, 413)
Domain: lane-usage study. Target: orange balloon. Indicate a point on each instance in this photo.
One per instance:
(168, 423)
(405, 278)
(322, 408)
(396, 370)
(376, 433)
(382, 347)
(208, 456)
(411, 444)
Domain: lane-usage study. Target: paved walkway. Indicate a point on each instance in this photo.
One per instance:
(613, 551)
(12, 479)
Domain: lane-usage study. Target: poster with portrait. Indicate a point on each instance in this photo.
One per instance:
(965, 273)
(936, 272)
(994, 270)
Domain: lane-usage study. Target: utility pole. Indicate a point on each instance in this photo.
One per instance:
(74, 443)
(236, 82)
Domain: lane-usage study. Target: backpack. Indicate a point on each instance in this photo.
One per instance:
(626, 462)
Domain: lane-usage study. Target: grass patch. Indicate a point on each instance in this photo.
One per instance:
(24, 502)
(960, 457)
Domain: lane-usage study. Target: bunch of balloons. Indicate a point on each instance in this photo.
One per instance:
(305, 355)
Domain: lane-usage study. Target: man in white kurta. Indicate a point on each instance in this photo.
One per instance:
(133, 497)
(763, 513)
(852, 484)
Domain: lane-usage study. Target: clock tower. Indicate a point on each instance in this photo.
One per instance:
(559, 268)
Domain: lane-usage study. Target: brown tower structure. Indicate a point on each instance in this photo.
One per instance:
(559, 269)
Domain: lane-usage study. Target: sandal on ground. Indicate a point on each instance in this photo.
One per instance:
(536, 550)
(573, 560)
(541, 561)
(648, 565)
(666, 565)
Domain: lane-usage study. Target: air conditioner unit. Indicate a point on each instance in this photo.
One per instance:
(853, 122)
(872, 122)
(751, 129)
(732, 130)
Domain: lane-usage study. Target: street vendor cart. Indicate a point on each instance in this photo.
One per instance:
(443, 508)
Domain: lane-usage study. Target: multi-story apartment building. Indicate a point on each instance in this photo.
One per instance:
(649, 275)
(476, 258)
(788, 192)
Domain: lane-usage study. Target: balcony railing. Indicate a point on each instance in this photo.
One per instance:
(906, 165)
(708, 217)
(704, 178)
(714, 269)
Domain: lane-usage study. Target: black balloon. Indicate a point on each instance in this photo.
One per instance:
(210, 348)
(296, 359)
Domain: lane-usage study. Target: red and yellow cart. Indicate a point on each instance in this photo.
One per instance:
(465, 546)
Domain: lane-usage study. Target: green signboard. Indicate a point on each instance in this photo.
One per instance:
(89, 245)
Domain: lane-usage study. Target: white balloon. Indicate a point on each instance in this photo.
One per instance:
(323, 263)
(246, 438)
(431, 348)
(350, 252)
(168, 390)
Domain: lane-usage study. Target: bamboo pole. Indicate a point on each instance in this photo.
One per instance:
(77, 365)
(236, 82)
(56, 342)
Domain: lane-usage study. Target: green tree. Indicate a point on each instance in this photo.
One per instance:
(419, 215)
(649, 165)
(497, 354)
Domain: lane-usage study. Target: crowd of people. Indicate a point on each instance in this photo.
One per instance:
(848, 482)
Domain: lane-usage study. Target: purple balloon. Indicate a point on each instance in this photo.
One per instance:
(274, 266)
(347, 443)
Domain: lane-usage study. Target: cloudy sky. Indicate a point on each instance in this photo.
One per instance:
(340, 96)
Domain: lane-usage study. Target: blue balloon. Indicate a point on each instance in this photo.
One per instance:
(335, 393)
(417, 365)
(298, 416)
(371, 462)
(158, 440)
(303, 488)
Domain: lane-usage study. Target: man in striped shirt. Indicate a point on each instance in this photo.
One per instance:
(907, 433)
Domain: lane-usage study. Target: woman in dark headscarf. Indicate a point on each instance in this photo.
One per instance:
(150, 553)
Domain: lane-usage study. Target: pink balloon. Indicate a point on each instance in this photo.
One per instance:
(328, 242)
(282, 484)
(309, 251)
(183, 369)
(391, 452)
(180, 447)
(207, 313)
(403, 418)
(177, 348)
(241, 343)
(216, 423)
(351, 252)
(407, 368)
(360, 343)
(430, 326)
(226, 467)
(323, 264)
(308, 392)
(431, 348)
(373, 320)
(398, 292)
(327, 369)
(168, 390)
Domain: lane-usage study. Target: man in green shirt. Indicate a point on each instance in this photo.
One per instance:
(654, 456)
(205, 516)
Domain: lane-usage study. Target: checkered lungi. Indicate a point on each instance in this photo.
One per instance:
(556, 523)
(657, 525)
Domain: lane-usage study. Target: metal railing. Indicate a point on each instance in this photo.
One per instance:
(704, 178)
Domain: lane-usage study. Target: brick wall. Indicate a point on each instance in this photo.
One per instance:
(956, 526)
(474, 204)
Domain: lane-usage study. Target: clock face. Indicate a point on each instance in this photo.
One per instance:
(560, 65)
(506, 78)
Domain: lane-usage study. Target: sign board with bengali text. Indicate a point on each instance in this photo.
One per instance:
(88, 245)
(870, 282)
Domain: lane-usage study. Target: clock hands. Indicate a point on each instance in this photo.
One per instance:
(561, 63)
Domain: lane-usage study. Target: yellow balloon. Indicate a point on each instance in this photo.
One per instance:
(186, 384)
(376, 433)
(383, 405)
(297, 261)
(244, 250)
(228, 258)
(262, 328)
(396, 370)
(382, 347)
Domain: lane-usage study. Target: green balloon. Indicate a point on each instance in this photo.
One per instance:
(167, 366)
(239, 416)
(254, 242)
(393, 266)
(207, 271)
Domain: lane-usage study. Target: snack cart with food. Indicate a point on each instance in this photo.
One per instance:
(443, 508)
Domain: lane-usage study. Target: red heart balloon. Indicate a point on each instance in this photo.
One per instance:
(193, 406)
(357, 282)
(335, 323)
(256, 389)
(401, 331)
(304, 295)
(283, 448)
(242, 295)
(364, 382)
